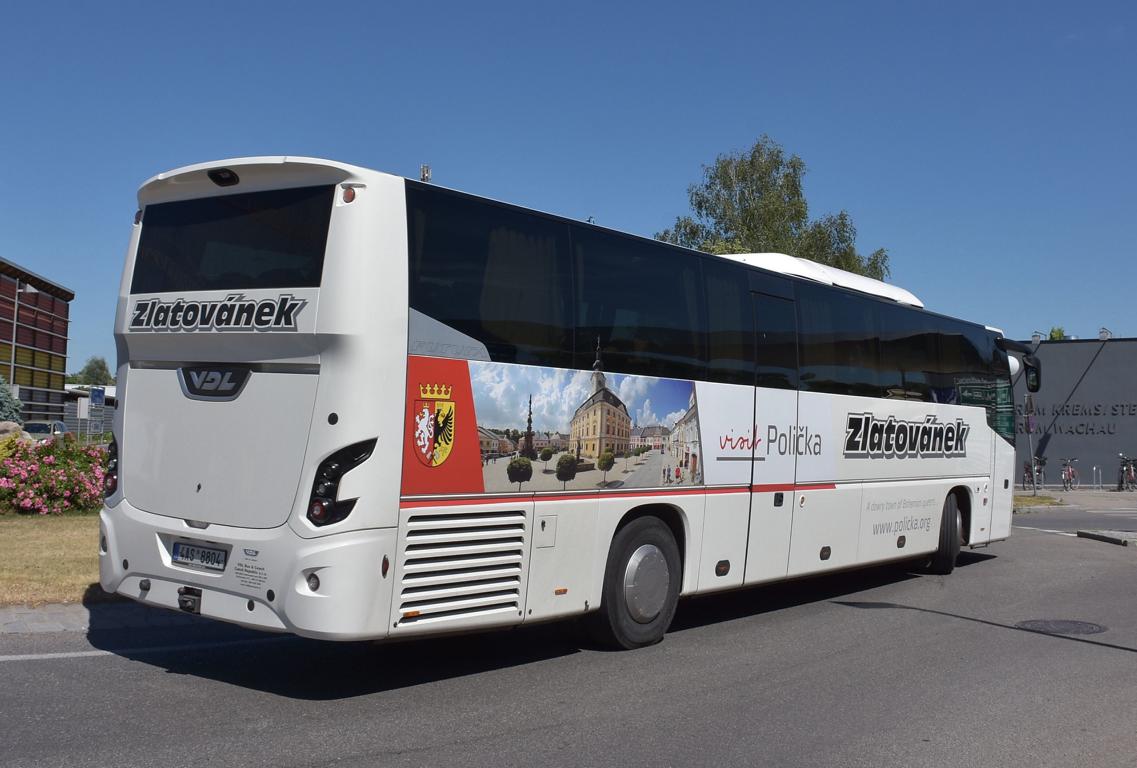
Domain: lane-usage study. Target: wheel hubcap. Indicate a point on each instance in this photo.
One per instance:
(646, 579)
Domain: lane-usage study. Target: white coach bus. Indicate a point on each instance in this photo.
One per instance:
(355, 406)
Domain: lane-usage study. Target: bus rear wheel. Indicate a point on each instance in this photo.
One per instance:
(951, 535)
(641, 586)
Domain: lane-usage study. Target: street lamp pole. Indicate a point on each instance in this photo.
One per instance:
(1028, 418)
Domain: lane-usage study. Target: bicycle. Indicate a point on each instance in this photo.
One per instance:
(1069, 475)
(1127, 473)
(1039, 473)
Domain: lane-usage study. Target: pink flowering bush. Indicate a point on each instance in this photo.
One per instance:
(51, 478)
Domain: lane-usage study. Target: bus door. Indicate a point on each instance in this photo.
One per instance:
(774, 470)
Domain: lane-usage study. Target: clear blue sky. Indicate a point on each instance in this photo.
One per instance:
(990, 147)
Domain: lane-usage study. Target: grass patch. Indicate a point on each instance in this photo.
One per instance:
(48, 559)
(1041, 500)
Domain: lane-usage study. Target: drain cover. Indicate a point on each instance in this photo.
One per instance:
(1061, 627)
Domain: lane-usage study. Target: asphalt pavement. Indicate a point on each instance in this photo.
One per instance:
(1108, 514)
(1025, 656)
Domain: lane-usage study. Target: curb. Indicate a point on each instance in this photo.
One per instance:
(1106, 537)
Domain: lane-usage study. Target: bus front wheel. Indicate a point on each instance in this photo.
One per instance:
(641, 586)
(951, 534)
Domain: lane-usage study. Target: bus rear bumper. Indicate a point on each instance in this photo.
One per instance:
(265, 583)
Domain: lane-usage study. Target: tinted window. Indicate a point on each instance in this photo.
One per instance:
(777, 342)
(730, 324)
(980, 374)
(272, 239)
(1001, 416)
(962, 376)
(493, 273)
(838, 346)
(643, 301)
(909, 348)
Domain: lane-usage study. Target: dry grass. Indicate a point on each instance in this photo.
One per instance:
(1041, 500)
(48, 559)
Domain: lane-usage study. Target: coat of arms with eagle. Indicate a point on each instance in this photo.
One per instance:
(434, 424)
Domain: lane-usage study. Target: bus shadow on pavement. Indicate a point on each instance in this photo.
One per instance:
(299, 668)
(753, 601)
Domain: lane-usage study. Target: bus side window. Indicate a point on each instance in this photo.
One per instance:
(495, 274)
(776, 331)
(962, 365)
(730, 324)
(908, 352)
(838, 342)
(643, 301)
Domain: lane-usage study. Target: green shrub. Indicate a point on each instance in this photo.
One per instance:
(604, 463)
(519, 470)
(8, 445)
(566, 468)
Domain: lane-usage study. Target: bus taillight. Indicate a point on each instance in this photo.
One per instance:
(110, 472)
(318, 511)
(323, 506)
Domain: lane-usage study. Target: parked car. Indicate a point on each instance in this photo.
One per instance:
(42, 431)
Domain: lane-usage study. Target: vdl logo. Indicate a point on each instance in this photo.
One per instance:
(213, 382)
(434, 424)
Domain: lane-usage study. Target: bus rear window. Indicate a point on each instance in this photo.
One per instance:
(271, 239)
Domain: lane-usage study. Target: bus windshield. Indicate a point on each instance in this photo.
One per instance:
(270, 239)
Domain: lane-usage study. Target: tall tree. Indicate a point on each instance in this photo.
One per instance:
(95, 372)
(753, 202)
(1057, 333)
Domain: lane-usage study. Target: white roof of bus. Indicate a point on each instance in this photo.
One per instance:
(820, 273)
(236, 162)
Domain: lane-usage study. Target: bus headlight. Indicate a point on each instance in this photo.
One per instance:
(323, 506)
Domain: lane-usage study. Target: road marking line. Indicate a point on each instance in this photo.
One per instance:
(138, 651)
(61, 655)
(1047, 530)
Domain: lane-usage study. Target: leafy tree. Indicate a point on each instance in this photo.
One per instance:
(10, 407)
(566, 469)
(752, 202)
(520, 470)
(95, 372)
(546, 454)
(604, 463)
(1057, 333)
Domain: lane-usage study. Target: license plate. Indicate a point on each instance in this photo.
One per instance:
(197, 556)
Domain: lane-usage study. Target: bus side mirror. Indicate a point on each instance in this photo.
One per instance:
(1033, 372)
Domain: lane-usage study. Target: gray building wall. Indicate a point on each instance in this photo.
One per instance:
(95, 424)
(1086, 408)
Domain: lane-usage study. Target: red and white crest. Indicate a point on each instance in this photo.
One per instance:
(434, 424)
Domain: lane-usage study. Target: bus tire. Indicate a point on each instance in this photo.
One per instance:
(641, 586)
(951, 534)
